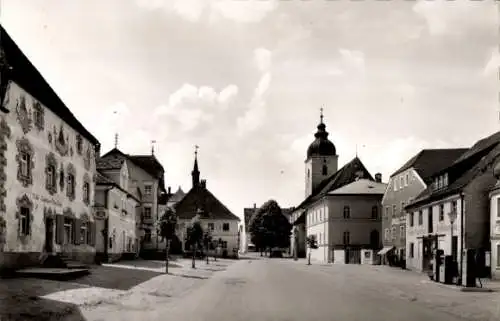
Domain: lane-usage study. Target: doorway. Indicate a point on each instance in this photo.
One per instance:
(49, 235)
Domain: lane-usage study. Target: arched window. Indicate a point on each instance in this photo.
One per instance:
(347, 237)
(325, 170)
(347, 212)
(374, 212)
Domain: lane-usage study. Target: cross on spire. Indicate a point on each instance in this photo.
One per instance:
(116, 140)
(196, 147)
(321, 115)
(153, 142)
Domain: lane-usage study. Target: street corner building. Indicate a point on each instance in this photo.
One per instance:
(341, 208)
(47, 169)
(451, 217)
(404, 185)
(117, 210)
(214, 216)
(141, 177)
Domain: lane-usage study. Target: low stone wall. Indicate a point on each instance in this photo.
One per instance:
(10, 261)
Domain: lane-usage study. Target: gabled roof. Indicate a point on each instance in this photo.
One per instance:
(25, 74)
(430, 161)
(102, 179)
(148, 163)
(201, 198)
(472, 163)
(361, 187)
(345, 175)
(177, 196)
(109, 163)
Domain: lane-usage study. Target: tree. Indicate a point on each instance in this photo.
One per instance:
(312, 243)
(195, 236)
(269, 227)
(207, 239)
(168, 224)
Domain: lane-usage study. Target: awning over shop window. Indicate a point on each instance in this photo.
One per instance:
(385, 250)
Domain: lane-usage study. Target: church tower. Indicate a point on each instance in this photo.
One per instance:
(195, 173)
(322, 159)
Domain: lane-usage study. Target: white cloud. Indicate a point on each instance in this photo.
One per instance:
(243, 11)
(493, 65)
(227, 94)
(262, 57)
(353, 60)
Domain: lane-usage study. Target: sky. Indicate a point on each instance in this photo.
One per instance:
(245, 80)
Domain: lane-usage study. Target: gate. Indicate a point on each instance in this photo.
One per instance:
(353, 256)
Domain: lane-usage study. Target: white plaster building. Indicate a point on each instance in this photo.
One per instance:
(495, 226)
(47, 168)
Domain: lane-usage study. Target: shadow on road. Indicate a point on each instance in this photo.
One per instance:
(192, 276)
(27, 308)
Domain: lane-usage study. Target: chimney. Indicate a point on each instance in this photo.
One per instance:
(203, 183)
(254, 205)
(378, 178)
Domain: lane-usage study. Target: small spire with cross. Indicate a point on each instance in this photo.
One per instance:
(116, 140)
(321, 115)
(196, 147)
(153, 142)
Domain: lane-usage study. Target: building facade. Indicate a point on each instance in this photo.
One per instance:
(495, 225)
(116, 212)
(403, 186)
(215, 217)
(47, 167)
(453, 213)
(147, 176)
(331, 195)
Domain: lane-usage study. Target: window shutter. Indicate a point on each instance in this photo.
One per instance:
(92, 227)
(77, 225)
(59, 229)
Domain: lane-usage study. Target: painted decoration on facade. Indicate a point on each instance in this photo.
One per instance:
(84, 217)
(23, 115)
(51, 173)
(68, 212)
(49, 137)
(4, 135)
(71, 151)
(25, 161)
(87, 159)
(71, 175)
(61, 142)
(39, 116)
(25, 222)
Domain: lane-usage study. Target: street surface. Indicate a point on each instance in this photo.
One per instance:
(252, 288)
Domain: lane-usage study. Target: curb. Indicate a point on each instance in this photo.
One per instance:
(461, 288)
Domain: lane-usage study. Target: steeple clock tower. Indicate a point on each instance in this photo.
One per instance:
(322, 159)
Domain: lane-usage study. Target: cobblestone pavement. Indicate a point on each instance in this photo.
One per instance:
(125, 286)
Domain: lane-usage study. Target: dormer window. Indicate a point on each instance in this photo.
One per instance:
(445, 180)
(325, 170)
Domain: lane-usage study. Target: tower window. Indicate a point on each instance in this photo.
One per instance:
(325, 170)
(308, 173)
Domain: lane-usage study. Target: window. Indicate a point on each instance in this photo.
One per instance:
(402, 207)
(24, 221)
(147, 235)
(394, 210)
(395, 183)
(148, 189)
(387, 234)
(71, 184)
(498, 207)
(374, 212)
(86, 192)
(83, 233)
(225, 227)
(412, 250)
(420, 218)
(387, 209)
(325, 170)
(393, 232)
(79, 144)
(430, 221)
(320, 216)
(402, 231)
(454, 205)
(147, 212)
(412, 219)
(25, 164)
(51, 177)
(402, 181)
(211, 226)
(61, 178)
(445, 180)
(441, 212)
(347, 212)
(347, 238)
(308, 173)
(68, 231)
(407, 179)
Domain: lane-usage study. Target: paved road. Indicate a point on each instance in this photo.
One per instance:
(276, 290)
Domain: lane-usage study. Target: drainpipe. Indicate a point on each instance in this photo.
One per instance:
(461, 235)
